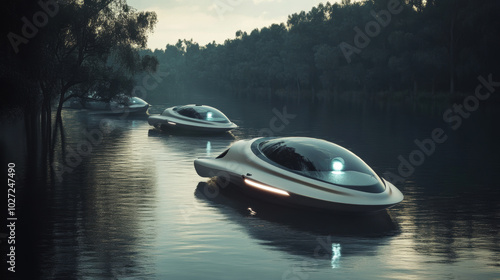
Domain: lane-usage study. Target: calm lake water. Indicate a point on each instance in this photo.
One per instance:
(134, 207)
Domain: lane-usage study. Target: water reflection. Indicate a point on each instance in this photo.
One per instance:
(449, 226)
(314, 235)
(102, 214)
(209, 148)
(166, 134)
(128, 209)
(187, 147)
(336, 254)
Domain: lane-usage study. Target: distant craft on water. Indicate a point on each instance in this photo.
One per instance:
(303, 172)
(192, 118)
(120, 105)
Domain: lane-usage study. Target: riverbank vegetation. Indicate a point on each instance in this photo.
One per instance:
(54, 50)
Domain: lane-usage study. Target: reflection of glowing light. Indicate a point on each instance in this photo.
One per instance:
(335, 255)
(209, 148)
(171, 123)
(209, 115)
(266, 188)
(252, 213)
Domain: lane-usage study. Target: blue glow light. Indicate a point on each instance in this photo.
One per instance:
(338, 164)
(209, 115)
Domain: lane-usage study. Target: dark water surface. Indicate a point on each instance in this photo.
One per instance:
(134, 207)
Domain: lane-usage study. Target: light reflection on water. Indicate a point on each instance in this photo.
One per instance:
(136, 209)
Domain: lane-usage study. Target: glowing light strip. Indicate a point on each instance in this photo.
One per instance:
(171, 123)
(266, 188)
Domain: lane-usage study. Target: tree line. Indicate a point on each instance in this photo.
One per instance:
(407, 46)
(53, 50)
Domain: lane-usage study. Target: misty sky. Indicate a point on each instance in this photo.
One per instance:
(207, 20)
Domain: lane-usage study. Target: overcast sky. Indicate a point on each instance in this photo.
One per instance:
(205, 21)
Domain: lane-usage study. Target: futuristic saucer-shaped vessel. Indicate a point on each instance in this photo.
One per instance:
(194, 118)
(120, 105)
(304, 172)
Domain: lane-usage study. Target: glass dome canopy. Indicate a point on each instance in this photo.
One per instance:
(200, 112)
(320, 160)
(137, 101)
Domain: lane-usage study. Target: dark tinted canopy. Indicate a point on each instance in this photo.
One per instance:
(205, 113)
(320, 160)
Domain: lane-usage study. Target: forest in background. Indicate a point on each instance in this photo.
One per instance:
(56, 50)
(376, 46)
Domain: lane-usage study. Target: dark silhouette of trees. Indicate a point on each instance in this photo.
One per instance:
(430, 46)
(61, 49)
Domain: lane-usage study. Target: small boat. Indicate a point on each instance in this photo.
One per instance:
(121, 105)
(192, 118)
(301, 172)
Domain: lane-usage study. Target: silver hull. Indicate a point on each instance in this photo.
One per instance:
(241, 169)
(170, 120)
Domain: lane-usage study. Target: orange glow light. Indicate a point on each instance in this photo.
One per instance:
(266, 188)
